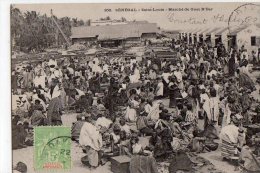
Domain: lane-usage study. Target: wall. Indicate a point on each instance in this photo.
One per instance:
(244, 38)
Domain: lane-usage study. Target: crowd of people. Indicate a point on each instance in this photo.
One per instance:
(118, 103)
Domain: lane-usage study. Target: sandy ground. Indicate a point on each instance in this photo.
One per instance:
(26, 154)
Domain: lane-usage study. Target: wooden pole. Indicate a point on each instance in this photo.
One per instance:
(64, 36)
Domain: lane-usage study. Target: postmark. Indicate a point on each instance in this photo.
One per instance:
(52, 148)
(244, 15)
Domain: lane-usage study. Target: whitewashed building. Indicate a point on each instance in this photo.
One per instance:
(249, 37)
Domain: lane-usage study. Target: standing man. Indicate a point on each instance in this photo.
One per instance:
(55, 106)
(159, 89)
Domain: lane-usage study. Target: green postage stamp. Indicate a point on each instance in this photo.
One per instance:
(52, 148)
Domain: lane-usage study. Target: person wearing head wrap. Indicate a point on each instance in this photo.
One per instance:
(159, 91)
(141, 163)
(152, 74)
(125, 127)
(232, 137)
(131, 110)
(20, 167)
(103, 122)
(36, 113)
(192, 73)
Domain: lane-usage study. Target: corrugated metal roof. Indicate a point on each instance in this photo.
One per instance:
(237, 30)
(219, 32)
(114, 31)
(203, 30)
(212, 30)
(191, 30)
(194, 30)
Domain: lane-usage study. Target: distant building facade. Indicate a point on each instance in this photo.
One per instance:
(115, 35)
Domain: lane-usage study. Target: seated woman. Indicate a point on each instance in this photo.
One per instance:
(37, 116)
(131, 111)
(141, 162)
(124, 144)
(125, 128)
(143, 125)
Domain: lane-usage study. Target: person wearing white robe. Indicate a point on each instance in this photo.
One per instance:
(91, 140)
(205, 101)
(131, 114)
(226, 118)
(105, 68)
(137, 73)
(154, 111)
(133, 78)
(39, 79)
(166, 76)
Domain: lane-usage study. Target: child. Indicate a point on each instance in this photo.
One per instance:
(124, 143)
(190, 117)
(124, 127)
(115, 139)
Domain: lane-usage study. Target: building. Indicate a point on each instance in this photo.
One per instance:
(247, 36)
(115, 35)
(221, 36)
(106, 22)
(212, 36)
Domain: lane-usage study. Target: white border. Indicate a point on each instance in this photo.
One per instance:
(5, 79)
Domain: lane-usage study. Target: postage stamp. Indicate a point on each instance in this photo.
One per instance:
(52, 148)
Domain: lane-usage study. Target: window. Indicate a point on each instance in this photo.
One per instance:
(253, 41)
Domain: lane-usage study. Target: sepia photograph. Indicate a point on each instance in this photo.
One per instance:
(135, 87)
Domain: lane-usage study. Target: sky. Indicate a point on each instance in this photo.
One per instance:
(184, 17)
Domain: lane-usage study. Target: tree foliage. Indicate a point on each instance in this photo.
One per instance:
(33, 31)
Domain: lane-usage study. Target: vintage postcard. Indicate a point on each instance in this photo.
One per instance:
(135, 87)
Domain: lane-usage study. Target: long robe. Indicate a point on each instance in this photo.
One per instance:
(54, 111)
(174, 94)
(91, 140)
(230, 139)
(206, 105)
(131, 113)
(231, 66)
(154, 111)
